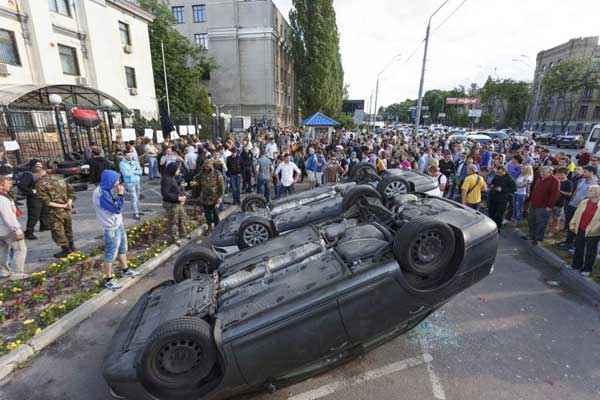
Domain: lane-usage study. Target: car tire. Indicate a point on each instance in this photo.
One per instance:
(178, 356)
(254, 231)
(362, 173)
(355, 193)
(253, 202)
(424, 246)
(201, 261)
(391, 186)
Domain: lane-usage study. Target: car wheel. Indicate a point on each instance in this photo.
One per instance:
(179, 355)
(355, 193)
(363, 173)
(424, 246)
(255, 231)
(199, 262)
(391, 186)
(253, 203)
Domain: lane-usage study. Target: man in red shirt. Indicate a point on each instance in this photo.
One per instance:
(545, 194)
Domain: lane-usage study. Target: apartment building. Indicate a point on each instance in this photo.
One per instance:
(587, 110)
(83, 45)
(249, 42)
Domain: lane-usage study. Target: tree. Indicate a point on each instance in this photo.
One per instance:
(317, 58)
(186, 65)
(505, 102)
(562, 86)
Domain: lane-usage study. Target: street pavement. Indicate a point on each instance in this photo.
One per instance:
(86, 231)
(512, 336)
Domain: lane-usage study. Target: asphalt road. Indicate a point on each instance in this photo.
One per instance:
(512, 336)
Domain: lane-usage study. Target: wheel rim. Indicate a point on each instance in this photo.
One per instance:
(255, 234)
(196, 268)
(179, 357)
(427, 248)
(395, 188)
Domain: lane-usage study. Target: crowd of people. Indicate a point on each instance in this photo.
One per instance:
(511, 180)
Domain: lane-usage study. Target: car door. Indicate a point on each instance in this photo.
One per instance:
(308, 214)
(377, 306)
(287, 345)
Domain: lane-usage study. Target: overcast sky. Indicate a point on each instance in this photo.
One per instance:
(480, 39)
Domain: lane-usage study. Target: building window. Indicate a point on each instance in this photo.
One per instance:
(125, 35)
(199, 12)
(60, 7)
(9, 54)
(68, 59)
(597, 113)
(178, 14)
(130, 77)
(201, 40)
(582, 112)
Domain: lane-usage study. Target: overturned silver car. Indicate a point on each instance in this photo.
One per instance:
(260, 221)
(299, 304)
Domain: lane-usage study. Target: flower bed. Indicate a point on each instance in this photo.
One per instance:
(28, 306)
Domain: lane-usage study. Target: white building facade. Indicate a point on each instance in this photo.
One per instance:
(98, 44)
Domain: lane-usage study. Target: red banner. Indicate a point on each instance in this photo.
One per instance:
(462, 101)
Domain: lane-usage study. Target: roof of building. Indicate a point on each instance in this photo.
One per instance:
(320, 119)
(37, 96)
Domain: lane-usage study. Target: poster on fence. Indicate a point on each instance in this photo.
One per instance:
(149, 133)
(191, 129)
(113, 134)
(183, 130)
(128, 134)
(174, 135)
(159, 137)
(11, 145)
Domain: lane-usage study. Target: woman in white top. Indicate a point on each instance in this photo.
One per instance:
(11, 235)
(523, 182)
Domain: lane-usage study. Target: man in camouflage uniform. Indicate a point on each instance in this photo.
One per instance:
(208, 189)
(58, 196)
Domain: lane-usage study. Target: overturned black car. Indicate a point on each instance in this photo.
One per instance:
(259, 221)
(299, 304)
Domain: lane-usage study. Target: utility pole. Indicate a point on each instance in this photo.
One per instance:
(420, 101)
(376, 96)
(162, 48)
(370, 120)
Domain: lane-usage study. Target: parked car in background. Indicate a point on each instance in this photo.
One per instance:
(497, 135)
(592, 143)
(545, 138)
(479, 138)
(299, 305)
(569, 140)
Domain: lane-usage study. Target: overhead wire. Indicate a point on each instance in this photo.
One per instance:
(449, 16)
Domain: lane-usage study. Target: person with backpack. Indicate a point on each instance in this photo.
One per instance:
(440, 178)
(473, 187)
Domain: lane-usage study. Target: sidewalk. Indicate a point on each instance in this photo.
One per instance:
(85, 227)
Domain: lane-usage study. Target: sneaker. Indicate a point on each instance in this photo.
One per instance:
(569, 267)
(112, 285)
(130, 272)
(63, 253)
(585, 274)
(31, 237)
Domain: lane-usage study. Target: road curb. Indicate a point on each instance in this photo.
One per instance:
(12, 360)
(572, 279)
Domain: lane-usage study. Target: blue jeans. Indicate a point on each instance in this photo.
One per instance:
(115, 243)
(153, 167)
(235, 188)
(134, 191)
(263, 187)
(286, 190)
(518, 207)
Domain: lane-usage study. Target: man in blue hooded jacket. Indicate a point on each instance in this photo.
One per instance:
(108, 204)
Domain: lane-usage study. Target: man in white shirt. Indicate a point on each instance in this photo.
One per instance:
(441, 180)
(191, 158)
(271, 149)
(285, 174)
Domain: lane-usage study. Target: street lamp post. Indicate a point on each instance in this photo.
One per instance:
(377, 85)
(420, 101)
(56, 101)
